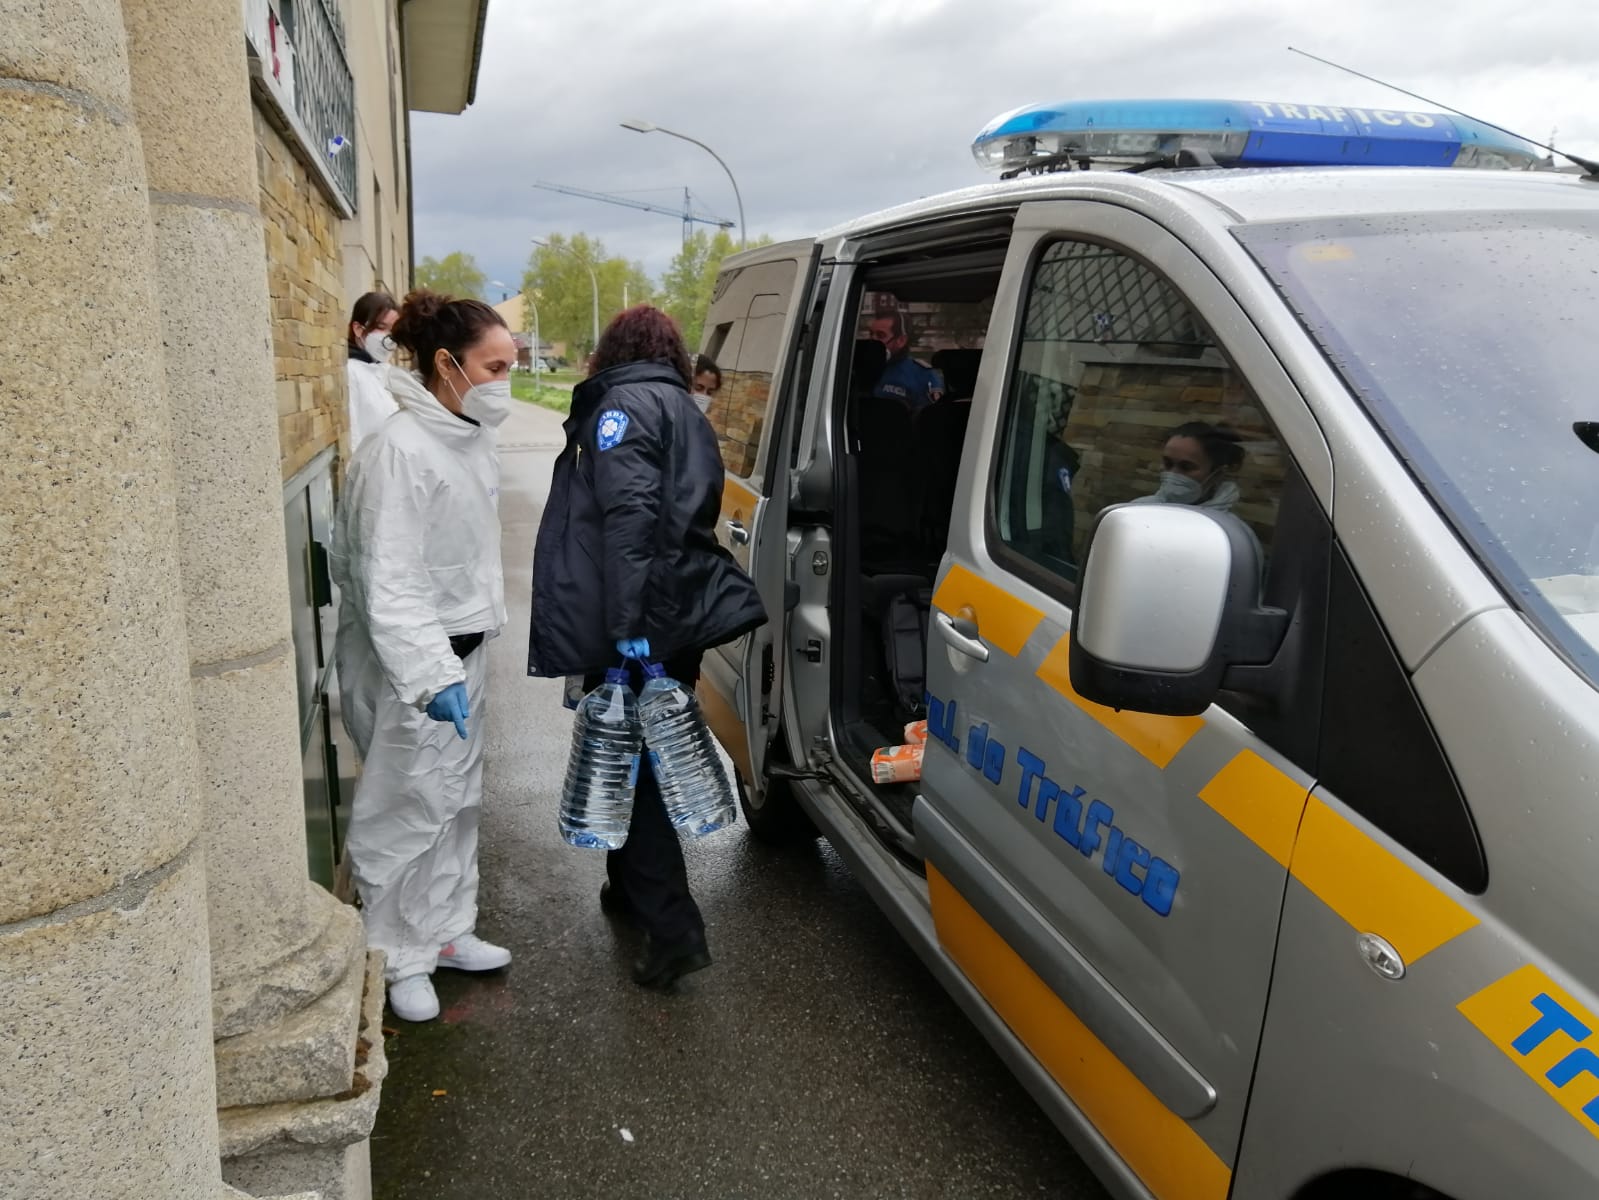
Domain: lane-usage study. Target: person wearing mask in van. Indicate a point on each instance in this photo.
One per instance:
(912, 383)
(707, 381)
(368, 340)
(1194, 467)
(416, 555)
(627, 568)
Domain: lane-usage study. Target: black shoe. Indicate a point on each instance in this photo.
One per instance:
(613, 903)
(664, 965)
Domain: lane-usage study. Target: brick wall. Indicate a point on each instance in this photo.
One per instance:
(1118, 424)
(738, 413)
(303, 271)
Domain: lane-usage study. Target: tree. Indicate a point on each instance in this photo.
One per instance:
(557, 278)
(690, 280)
(456, 275)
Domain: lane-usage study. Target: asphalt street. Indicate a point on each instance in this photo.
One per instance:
(816, 1058)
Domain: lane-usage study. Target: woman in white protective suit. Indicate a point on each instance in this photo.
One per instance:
(416, 554)
(369, 344)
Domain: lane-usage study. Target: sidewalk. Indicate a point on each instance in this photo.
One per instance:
(815, 1058)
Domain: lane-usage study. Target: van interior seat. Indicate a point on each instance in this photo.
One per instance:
(959, 369)
(896, 609)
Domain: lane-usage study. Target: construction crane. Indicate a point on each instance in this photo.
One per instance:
(688, 214)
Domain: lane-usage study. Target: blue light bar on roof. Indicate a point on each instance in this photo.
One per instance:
(1256, 133)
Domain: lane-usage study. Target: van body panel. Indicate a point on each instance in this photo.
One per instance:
(1044, 787)
(1211, 1003)
(758, 298)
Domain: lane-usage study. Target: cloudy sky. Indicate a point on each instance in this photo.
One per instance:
(827, 109)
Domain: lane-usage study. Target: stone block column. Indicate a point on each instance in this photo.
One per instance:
(288, 961)
(105, 1009)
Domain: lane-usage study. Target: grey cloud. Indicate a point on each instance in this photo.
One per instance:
(827, 109)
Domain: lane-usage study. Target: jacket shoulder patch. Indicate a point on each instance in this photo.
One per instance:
(612, 428)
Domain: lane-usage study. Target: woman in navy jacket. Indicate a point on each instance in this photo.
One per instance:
(627, 564)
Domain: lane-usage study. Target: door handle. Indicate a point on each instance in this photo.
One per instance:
(961, 634)
(737, 533)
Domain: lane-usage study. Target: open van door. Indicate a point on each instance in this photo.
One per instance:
(750, 332)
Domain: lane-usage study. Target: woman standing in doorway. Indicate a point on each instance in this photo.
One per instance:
(369, 340)
(627, 566)
(416, 554)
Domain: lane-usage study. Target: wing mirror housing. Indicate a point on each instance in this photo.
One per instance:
(1169, 601)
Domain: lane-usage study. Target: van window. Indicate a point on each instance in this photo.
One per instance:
(1118, 392)
(747, 319)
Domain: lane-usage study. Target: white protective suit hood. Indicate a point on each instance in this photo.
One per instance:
(416, 549)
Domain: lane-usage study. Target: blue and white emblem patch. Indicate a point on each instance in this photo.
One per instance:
(613, 427)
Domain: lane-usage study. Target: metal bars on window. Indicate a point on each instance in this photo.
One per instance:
(324, 90)
(1087, 293)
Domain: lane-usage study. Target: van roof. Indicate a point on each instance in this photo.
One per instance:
(1239, 196)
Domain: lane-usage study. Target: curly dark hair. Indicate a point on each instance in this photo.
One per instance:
(703, 365)
(430, 322)
(1220, 444)
(643, 333)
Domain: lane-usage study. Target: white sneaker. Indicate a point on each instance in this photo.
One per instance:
(471, 953)
(413, 998)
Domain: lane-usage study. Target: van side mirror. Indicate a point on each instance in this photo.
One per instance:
(1169, 600)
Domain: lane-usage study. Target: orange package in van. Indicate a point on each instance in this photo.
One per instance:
(897, 764)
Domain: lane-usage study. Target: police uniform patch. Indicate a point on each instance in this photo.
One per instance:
(613, 427)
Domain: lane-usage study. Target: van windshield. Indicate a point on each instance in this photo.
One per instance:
(1469, 339)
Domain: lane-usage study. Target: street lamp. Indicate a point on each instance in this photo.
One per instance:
(646, 127)
(594, 280)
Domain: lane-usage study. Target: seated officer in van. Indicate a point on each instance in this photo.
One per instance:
(1195, 464)
(912, 383)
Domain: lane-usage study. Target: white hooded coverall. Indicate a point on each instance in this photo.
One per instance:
(370, 400)
(416, 555)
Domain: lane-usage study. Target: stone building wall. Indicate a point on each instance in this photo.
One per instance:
(1119, 420)
(304, 264)
(739, 413)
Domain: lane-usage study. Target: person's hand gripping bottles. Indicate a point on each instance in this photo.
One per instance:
(635, 648)
(451, 705)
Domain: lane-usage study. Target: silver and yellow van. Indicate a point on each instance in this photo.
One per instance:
(1236, 534)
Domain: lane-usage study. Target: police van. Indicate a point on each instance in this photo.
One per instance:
(1231, 517)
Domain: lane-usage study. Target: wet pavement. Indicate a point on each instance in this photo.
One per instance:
(816, 1058)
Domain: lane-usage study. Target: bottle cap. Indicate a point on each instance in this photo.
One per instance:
(616, 675)
(654, 670)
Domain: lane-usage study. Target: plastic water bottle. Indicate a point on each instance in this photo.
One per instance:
(602, 770)
(694, 787)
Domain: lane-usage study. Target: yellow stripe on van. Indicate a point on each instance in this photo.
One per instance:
(1546, 1033)
(1262, 802)
(738, 502)
(1162, 1149)
(1002, 619)
(1157, 738)
(1369, 886)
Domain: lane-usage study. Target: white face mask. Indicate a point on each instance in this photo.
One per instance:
(379, 345)
(486, 403)
(1179, 489)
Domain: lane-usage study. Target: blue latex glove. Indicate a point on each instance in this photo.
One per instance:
(638, 648)
(451, 705)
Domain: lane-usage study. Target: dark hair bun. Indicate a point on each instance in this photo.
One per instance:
(417, 315)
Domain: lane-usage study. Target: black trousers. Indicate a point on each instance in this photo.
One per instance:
(648, 870)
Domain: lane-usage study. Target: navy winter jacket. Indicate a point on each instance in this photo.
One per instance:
(627, 546)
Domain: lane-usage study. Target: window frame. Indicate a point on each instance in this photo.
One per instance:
(1000, 551)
